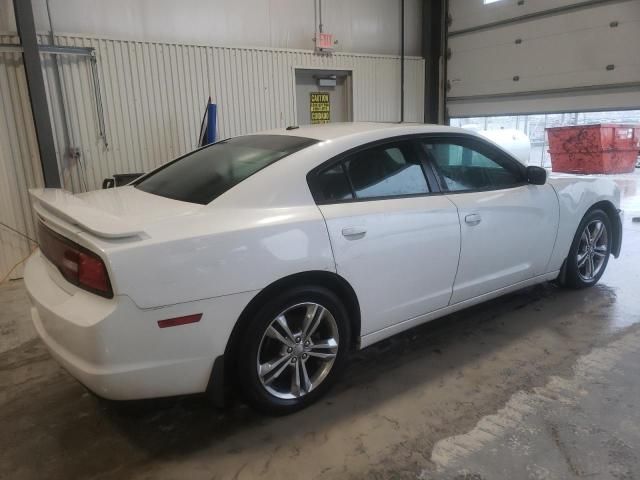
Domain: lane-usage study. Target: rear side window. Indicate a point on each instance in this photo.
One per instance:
(386, 171)
(389, 170)
(203, 175)
(333, 185)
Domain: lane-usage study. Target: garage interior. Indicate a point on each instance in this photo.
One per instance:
(541, 383)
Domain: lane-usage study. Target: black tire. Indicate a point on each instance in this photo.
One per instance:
(249, 348)
(575, 276)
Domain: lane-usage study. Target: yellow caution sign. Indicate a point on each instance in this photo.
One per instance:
(320, 107)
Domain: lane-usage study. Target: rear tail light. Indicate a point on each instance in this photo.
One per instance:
(76, 264)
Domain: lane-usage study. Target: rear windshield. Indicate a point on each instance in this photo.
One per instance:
(203, 175)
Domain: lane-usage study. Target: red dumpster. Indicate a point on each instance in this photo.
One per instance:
(600, 148)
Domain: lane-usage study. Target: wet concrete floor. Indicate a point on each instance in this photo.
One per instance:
(542, 383)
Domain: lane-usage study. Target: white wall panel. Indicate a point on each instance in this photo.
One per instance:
(154, 96)
(362, 26)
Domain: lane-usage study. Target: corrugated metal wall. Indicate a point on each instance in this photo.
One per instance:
(154, 96)
(19, 161)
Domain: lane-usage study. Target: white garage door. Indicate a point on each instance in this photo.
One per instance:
(539, 56)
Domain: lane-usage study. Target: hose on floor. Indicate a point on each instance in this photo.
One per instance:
(6, 277)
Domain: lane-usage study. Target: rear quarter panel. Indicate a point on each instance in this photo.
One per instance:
(576, 195)
(219, 252)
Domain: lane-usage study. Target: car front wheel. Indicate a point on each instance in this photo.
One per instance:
(590, 250)
(293, 350)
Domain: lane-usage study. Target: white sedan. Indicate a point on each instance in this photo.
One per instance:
(258, 263)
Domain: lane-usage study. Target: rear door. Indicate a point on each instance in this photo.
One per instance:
(508, 226)
(393, 240)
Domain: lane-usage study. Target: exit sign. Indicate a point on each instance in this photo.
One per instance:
(324, 42)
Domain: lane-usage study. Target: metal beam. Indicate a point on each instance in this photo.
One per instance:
(434, 48)
(60, 50)
(401, 60)
(10, 48)
(37, 93)
(534, 15)
(51, 50)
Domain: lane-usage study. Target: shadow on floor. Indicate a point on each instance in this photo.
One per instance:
(194, 424)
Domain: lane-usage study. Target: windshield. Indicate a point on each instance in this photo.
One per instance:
(204, 175)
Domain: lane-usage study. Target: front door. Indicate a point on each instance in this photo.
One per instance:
(508, 227)
(393, 241)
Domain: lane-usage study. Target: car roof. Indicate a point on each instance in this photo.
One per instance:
(333, 131)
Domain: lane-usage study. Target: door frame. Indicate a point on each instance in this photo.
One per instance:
(350, 72)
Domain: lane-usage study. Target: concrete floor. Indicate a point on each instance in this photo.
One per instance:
(539, 384)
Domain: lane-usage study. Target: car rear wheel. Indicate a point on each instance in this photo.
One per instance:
(590, 250)
(293, 350)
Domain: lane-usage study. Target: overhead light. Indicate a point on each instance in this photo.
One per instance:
(487, 2)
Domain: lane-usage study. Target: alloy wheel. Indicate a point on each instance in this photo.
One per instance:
(297, 350)
(592, 250)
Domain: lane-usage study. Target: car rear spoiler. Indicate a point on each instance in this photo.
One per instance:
(75, 211)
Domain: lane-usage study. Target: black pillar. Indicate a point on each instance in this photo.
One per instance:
(402, 60)
(37, 94)
(434, 48)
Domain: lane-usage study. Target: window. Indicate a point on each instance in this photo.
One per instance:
(462, 168)
(204, 175)
(386, 171)
(332, 185)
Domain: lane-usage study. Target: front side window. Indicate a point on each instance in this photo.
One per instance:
(462, 168)
(386, 171)
(203, 175)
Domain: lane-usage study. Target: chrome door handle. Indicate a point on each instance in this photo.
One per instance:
(472, 219)
(354, 233)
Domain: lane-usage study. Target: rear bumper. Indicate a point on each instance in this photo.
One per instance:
(116, 349)
(131, 382)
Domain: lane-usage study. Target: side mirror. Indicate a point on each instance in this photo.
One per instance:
(536, 175)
